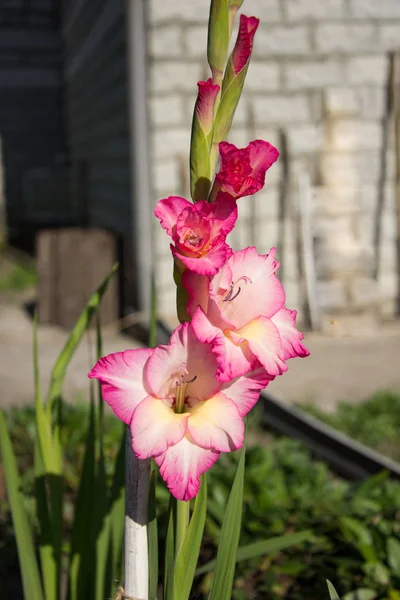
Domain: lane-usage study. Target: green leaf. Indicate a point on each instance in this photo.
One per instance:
(186, 561)
(117, 509)
(221, 587)
(227, 107)
(47, 466)
(333, 595)
(49, 454)
(393, 555)
(263, 548)
(218, 37)
(361, 594)
(200, 168)
(26, 551)
(82, 544)
(60, 367)
(169, 564)
(152, 534)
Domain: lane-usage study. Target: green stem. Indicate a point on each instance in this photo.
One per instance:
(182, 523)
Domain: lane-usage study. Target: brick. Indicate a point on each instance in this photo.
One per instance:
(165, 42)
(297, 10)
(166, 300)
(170, 142)
(165, 177)
(367, 70)
(174, 77)
(349, 168)
(388, 285)
(330, 294)
(354, 135)
(304, 138)
(281, 40)
(364, 291)
(173, 10)
(239, 136)
(241, 114)
(313, 74)
(344, 37)
(360, 101)
(196, 42)
(263, 76)
(166, 110)
(266, 202)
(389, 36)
(281, 109)
(267, 235)
(267, 11)
(336, 202)
(384, 9)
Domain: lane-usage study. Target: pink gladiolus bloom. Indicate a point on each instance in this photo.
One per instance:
(198, 231)
(177, 410)
(244, 42)
(242, 171)
(208, 92)
(241, 312)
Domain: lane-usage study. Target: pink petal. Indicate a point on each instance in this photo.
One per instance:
(216, 424)
(245, 391)
(265, 343)
(233, 359)
(168, 211)
(261, 292)
(197, 287)
(155, 427)
(192, 230)
(181, 466)
(205, 102)
(186, 355)
(223, 214)
(123, 384)
(244, 43)
(262, 156)
(285, 321)
(207, 264)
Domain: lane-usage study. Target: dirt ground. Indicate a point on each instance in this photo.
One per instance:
(341, 368)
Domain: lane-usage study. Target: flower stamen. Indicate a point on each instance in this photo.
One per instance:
(231, 295)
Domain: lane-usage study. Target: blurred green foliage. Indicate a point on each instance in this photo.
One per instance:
(375, 422)
(356, 541)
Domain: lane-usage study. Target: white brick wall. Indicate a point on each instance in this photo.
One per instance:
(317, 77)
(313, 74)
(282, 41)
(314, 9)
(340, 37)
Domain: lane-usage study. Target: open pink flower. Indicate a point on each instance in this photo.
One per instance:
(241, 312)
(177, 410)
(198, 231)
(242, 171)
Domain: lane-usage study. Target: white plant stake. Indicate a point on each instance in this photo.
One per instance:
(136, 503)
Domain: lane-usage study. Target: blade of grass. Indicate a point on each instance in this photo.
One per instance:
(26, 552)
(152, 534)
(82, 545)
(47, 467)
(221, 587)
(186, 561)
(263, 548)
(169, 563)
(60, 367)
(333, 595)
(117, 512)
